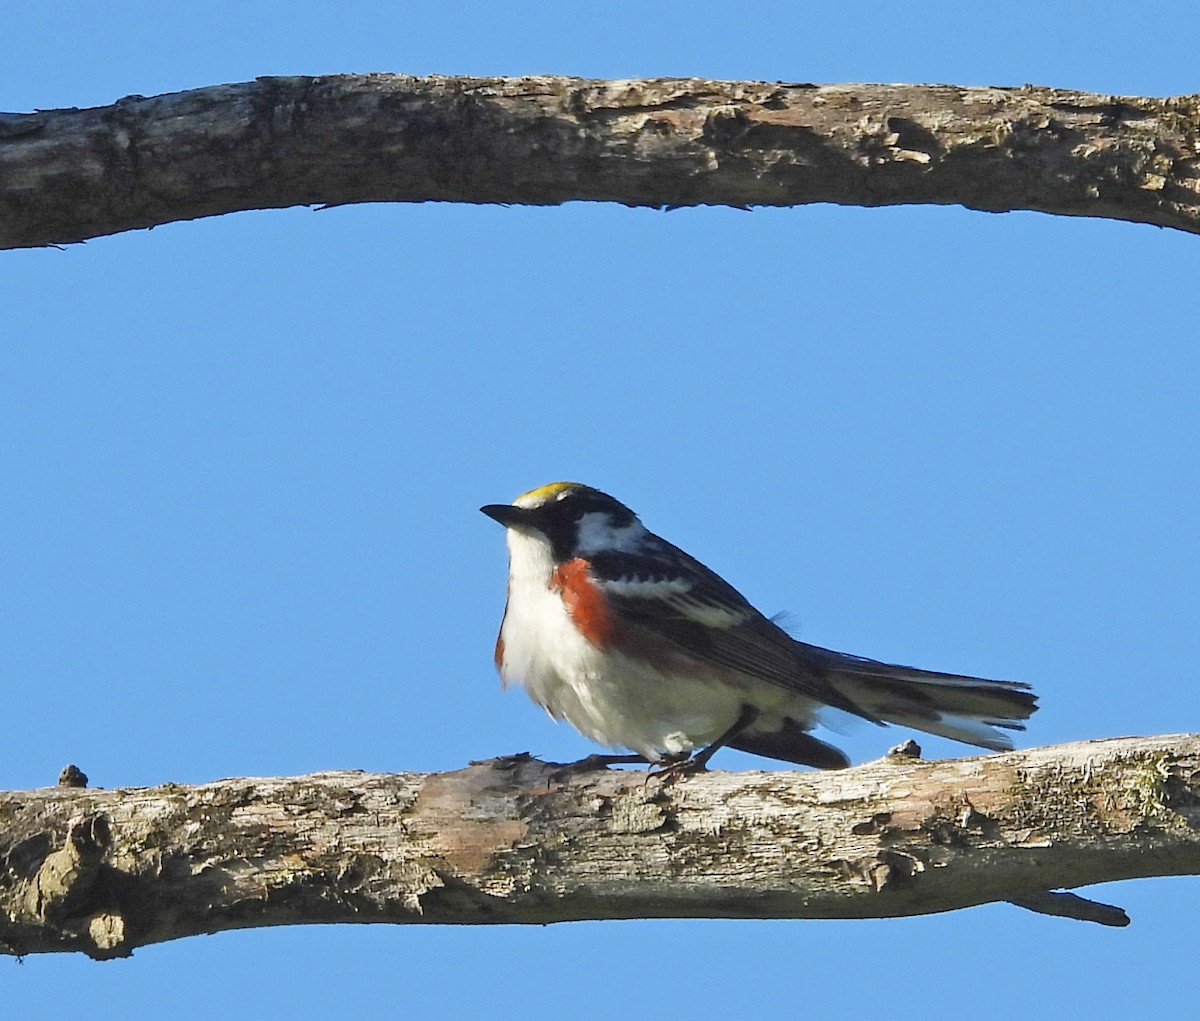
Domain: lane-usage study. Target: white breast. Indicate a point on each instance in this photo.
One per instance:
(610, 698)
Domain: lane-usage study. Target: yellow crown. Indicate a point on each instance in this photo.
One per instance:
(544, 494)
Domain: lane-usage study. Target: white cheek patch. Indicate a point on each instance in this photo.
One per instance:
(597, 534)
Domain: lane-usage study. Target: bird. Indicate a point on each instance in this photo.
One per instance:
(639, 646)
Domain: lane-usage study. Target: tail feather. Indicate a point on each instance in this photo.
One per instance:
(791, 743)
(974, 710)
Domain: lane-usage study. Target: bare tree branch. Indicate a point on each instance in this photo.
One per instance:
(518, 840)
(68, 175)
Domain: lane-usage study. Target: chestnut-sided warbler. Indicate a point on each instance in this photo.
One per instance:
(640, 646)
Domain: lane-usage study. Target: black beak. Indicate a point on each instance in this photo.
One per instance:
(508, 515)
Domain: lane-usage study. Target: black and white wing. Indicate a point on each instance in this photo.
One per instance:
(662, 590)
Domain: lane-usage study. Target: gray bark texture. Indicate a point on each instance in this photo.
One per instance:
(68, 175)
(516, 840)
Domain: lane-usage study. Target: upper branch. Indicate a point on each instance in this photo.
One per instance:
(518, 840)
(67, 175)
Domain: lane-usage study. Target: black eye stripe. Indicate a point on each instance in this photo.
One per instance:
(559, 518)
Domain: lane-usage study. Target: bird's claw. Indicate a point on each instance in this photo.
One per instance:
(679, 769)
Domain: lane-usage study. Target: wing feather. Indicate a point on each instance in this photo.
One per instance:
(662, 590)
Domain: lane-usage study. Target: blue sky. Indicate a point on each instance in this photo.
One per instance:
(243, 460)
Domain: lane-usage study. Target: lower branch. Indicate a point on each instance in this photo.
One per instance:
(516, 840)
(68, 175)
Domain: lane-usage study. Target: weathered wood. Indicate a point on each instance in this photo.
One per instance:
(68, 175)
(518, 840)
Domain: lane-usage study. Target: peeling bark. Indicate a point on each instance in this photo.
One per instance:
(516, 840)
(68, 175)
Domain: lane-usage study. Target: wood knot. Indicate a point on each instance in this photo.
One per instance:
(72, 776)
(67, 877)
(875, 824)
(907, 750)
(891, 869)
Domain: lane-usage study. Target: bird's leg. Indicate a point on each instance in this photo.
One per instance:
(601, 761)
(747, 716)
(698, 763)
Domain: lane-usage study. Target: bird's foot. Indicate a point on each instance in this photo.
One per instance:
(680, 767)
